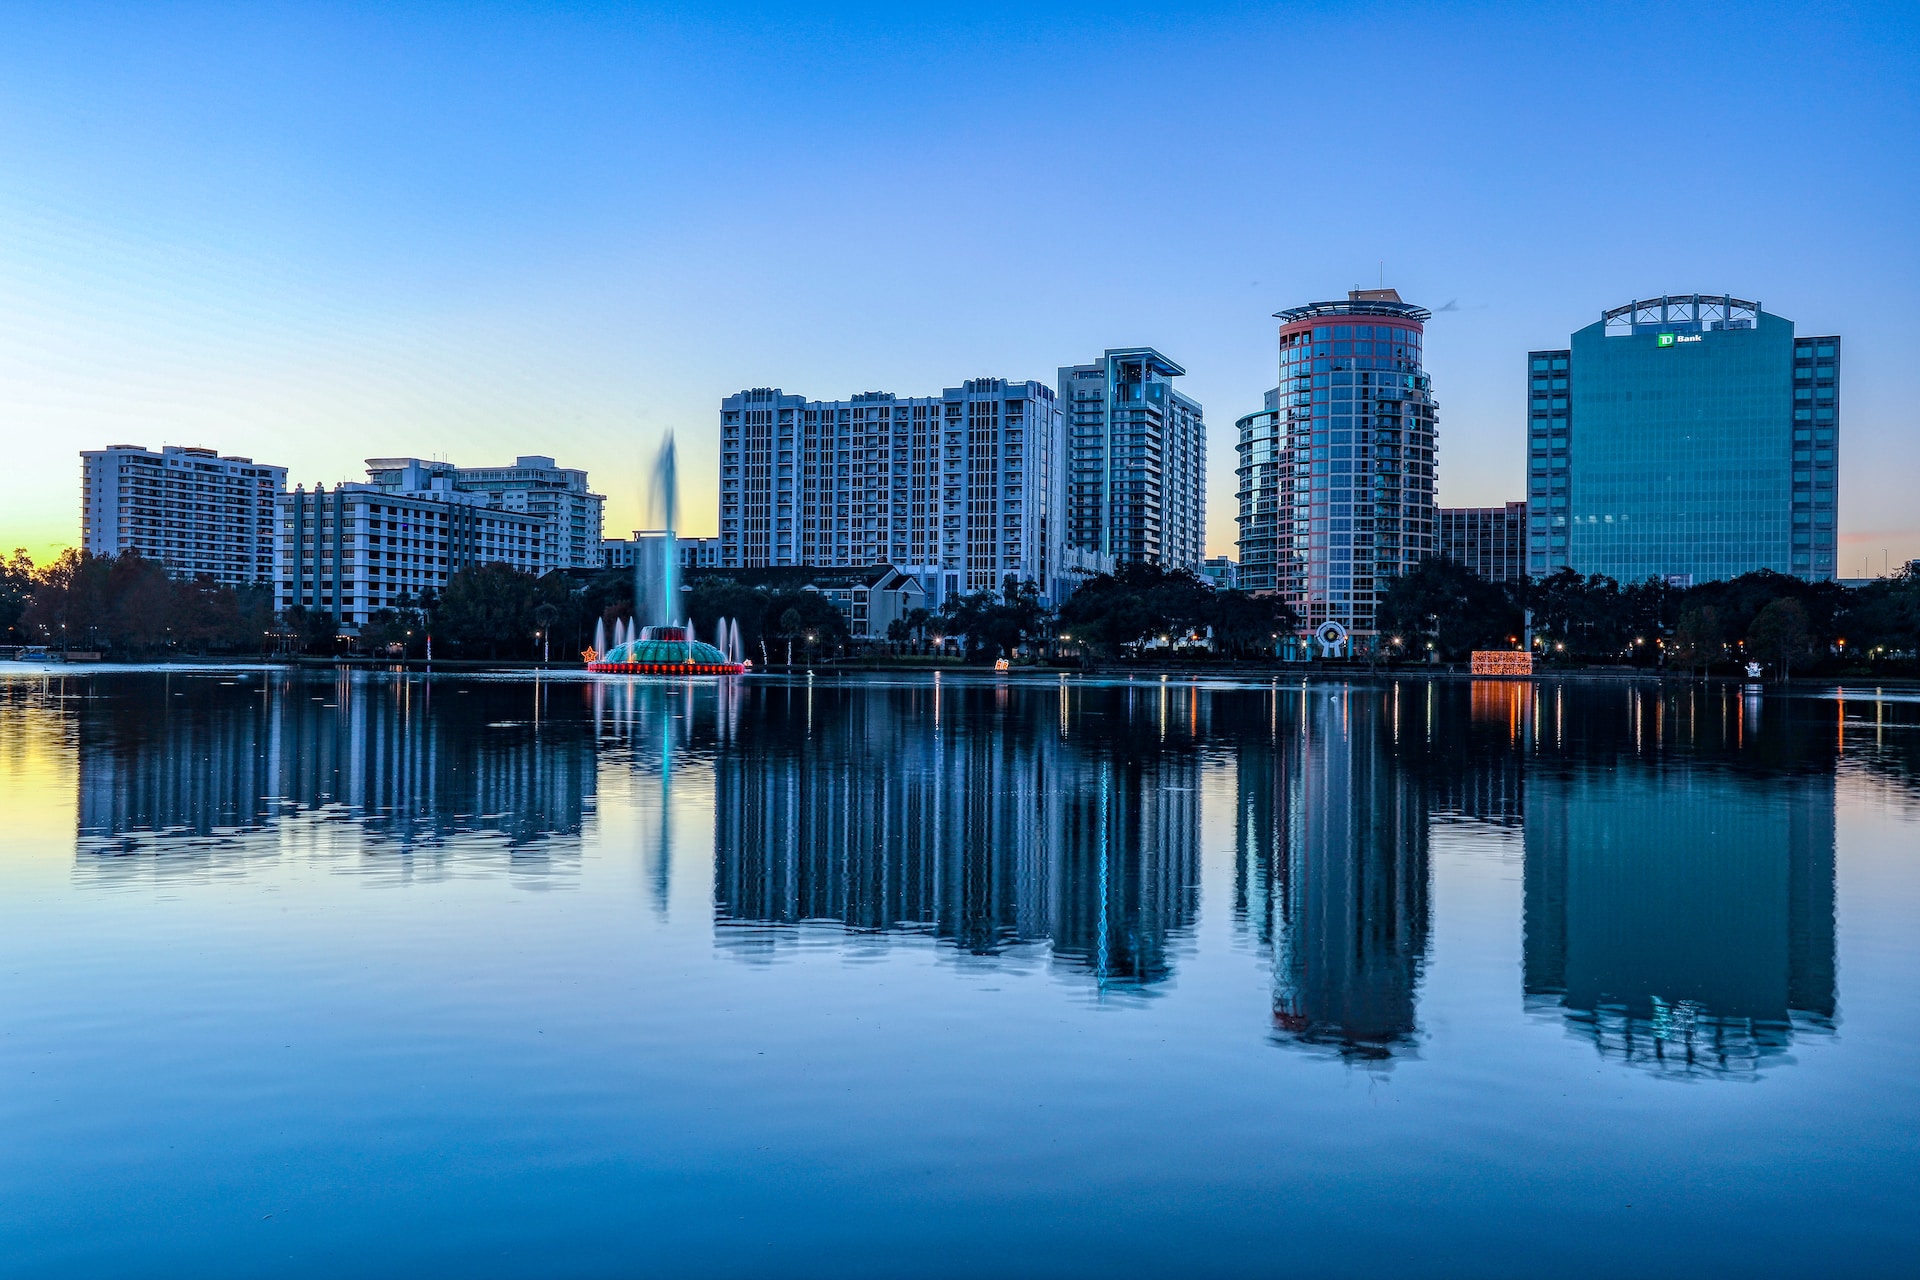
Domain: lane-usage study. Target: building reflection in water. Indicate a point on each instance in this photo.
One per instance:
(1680, 876)
(1332, 867)
(199, 762)
(1006, 822)
(1678, 843)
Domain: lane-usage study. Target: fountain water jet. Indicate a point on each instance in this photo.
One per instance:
(656, 640)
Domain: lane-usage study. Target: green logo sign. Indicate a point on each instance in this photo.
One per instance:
(1665, 339)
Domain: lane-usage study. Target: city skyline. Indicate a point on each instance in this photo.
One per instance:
(534, 241)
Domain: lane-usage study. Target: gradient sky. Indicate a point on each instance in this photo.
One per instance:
(318, 233)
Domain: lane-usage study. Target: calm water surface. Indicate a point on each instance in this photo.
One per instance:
(386, 975)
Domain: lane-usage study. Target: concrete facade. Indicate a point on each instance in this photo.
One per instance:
(962, 490)
(560, 497)
(360, 548)
(1136, 460)
(197, 512)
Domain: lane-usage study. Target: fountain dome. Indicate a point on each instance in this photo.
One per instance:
(666, 651)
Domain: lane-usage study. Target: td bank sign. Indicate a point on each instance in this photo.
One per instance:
(1668, 339)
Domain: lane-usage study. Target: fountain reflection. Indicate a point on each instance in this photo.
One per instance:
(1680, 877)
(413, 764)
(1064, 825)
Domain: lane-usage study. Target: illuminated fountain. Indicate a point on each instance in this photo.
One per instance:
(656, 641)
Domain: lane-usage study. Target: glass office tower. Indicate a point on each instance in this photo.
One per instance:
(1690, 438)
(1357, 459)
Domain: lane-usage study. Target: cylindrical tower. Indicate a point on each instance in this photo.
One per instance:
(1357, 457)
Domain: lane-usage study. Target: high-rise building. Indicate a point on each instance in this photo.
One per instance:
(533, 485)
(1689, 437)
(194, 511)
(1491, 541)
(1137, 472)
(1357, 459)
(1260, 437)
(963, 490)
(365, 547)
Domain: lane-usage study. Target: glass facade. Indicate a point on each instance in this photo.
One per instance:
(1549, 427)
(1686, 438)
(1259, 437)
(1356, 489)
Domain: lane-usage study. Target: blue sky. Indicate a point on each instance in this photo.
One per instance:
(314, 234)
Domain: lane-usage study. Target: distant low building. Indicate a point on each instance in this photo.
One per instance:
(694, 553)
(1491, 541)
(1077, 564)
(619, 553)
(1220, 573)
(196, 512)
(872, 600)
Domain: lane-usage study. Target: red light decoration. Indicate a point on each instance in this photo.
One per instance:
(1502, 662)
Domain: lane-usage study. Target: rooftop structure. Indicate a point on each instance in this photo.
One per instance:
(1358, 302)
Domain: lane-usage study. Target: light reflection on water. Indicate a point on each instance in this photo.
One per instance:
(1226, 868)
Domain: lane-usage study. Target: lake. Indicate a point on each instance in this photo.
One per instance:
(385, 974)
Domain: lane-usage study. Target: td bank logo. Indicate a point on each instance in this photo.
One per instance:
(1668, 339)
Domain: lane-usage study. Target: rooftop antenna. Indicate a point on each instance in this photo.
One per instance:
(1383, 273)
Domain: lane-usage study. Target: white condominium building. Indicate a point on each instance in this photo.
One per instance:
(360, 548)
(533, 485)
(197, 513)
(1137, 482)
(962, 490)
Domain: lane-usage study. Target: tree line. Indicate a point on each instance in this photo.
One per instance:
(1143, 605)
(128, 606)
(1775, 619)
